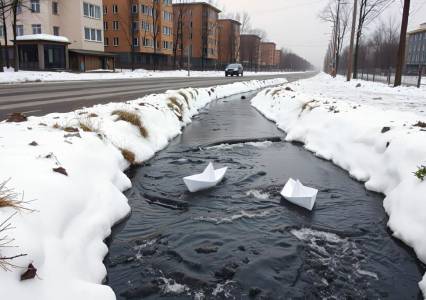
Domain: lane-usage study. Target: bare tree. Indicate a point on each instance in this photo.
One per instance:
(402, 43)
(5, 10)
(245, 21)
(368, 11)
(260, 33)
(156, 29)
(337, 14)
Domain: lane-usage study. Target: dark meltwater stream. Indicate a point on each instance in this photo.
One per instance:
(240, 240)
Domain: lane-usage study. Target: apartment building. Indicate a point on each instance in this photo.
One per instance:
(267, 54)
(196, 33)
(60, 34)
(250, 51)
(416, 49)
(139, 31)
(229, 41)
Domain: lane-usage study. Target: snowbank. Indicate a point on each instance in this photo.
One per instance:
(372, 131)
(75, 207)
(33, 76)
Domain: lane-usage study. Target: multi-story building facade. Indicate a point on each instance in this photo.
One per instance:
(196, 33)
(79, 21)
(416, 49)
(139, 31)
(250, 51)
(229, 41)
(267, 54)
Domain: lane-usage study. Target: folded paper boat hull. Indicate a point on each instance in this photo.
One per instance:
(200, 182)
(300, 195)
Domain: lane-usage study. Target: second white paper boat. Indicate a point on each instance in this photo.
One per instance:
(209, 178)
(295, 192)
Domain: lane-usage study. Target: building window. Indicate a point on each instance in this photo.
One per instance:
(135, 8)
(116, 42)
(135, 26)
(105, 25)
(148, 42)
(35, 6)
(167, 16)
(135, 42)
(115, 9)
(91, 11)
(115, 25)
(55, 9)
(55, 30)
(92, 34)
(36, 28)
(19, 30)
(106, 42)
(105, 10)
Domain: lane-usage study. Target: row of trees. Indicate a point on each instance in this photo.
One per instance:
(383, 48)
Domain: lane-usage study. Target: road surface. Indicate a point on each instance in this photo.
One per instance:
(42, 98)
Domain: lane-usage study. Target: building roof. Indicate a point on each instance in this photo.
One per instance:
(230, 20)
(199, 3)
(269, 43)
(422, 28)
(250, 35)
(43, 37)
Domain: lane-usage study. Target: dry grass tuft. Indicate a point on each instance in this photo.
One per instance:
(88, 125)
(8, 199)
(128, 155)
(176, 107)
(56, 126)
(131, 118)
(185, 97)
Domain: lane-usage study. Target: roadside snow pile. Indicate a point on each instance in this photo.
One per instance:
(381, 146)
(36, 76)
(71, 165)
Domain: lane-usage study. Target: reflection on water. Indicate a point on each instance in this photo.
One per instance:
(240, 240)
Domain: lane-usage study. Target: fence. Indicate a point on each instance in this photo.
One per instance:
(388, 76)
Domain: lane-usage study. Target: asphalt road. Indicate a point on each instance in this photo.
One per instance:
(36, 99)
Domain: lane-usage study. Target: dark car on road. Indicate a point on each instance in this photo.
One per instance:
(234, 69)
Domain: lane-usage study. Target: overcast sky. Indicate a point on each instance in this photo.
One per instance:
(294, 24)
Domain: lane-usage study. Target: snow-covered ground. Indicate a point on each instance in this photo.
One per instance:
(76, 206)
(375, 132)
(33, 76)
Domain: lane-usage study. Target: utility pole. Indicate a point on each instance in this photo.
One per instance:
(402, 42)
(351, 46)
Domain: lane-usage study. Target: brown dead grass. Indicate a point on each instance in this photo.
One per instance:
(185, 97)
(8, 199)
(131, 118)
(176, 107)
(128, 155)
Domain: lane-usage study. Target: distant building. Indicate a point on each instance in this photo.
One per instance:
(229, 41)
(250, 51)
(77, 21)
(416, 48)
(139, 31)
(267, 54)
(196, 32)
(277, 58)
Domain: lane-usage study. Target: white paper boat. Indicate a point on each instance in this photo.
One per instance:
(296, 193)
(209, 178)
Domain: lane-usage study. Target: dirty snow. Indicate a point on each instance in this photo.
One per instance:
(64, 236)
(372, 131)
(38, 76)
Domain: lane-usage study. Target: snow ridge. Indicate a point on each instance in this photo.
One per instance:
(373, 131)
(74, 212)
